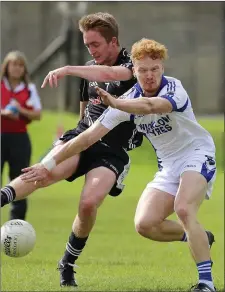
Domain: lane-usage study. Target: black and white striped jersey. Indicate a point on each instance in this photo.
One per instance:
(124, 135)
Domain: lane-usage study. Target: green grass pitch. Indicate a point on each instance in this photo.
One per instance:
(116, 258)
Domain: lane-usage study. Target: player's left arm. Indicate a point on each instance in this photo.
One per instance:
(168, 101)
(144, 105)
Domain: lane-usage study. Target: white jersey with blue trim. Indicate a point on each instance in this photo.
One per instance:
(170, 134)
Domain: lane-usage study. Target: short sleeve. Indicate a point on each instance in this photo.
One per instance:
(113, 117)
(176, 95)
(34, 99)
(83, 90)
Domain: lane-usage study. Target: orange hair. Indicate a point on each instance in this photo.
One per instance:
(146, 47)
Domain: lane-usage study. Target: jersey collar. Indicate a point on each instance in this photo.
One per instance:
(18, 88)
(163, 83)
(123, 53)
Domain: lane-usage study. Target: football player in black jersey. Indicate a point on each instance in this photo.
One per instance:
(106, 163)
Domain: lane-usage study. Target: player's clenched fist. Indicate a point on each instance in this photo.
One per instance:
(107, 98)
(53, 77)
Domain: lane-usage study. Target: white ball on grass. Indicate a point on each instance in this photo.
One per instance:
(18, 238)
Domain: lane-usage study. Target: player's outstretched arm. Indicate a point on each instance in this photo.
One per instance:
(144, 105)
(92, 73)
(76, 145)
(81, 142)
(141, 105)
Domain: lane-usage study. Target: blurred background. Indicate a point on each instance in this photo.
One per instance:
(194, 33)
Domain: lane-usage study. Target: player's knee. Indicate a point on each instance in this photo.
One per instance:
(88, 206)
(141, 228)
(183, 212)
(145, 227)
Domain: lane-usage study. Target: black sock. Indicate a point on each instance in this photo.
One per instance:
(8, 195)
(74, 248)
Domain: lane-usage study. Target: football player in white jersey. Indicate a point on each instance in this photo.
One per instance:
(161, 109)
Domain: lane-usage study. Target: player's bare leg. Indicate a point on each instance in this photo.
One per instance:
(95, 190)
(191, 193)
(17, 189)
(152, 209)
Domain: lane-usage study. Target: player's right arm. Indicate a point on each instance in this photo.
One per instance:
(98, 73)
(109, 119)
(106, 122)
(40, 171)
(81, 142)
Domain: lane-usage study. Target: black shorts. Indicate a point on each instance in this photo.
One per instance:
(101, 154)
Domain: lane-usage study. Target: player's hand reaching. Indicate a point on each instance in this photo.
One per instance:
(35, 173)
(53, 77)
(107, 98)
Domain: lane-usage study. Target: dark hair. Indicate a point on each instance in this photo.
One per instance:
(102, 22)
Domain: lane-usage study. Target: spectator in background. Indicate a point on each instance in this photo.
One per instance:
(20, 105)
